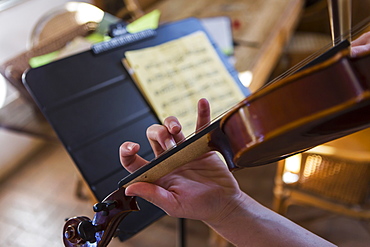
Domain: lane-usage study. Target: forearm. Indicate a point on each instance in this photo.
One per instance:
(251, 224)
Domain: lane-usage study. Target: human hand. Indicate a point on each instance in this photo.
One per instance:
(361, 45)
(203, 189)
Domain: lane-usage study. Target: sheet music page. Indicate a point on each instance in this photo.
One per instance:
(173, 76)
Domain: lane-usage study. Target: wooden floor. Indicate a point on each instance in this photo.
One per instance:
(37, 197)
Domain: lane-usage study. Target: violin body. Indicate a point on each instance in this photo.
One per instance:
(317, 105)
(314, 106)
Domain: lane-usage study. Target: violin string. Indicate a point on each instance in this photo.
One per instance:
(355, 31)
(299, 65)
(362, 25)
(358, 28)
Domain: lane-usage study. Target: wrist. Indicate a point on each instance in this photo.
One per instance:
(232, 210)
(248, 222)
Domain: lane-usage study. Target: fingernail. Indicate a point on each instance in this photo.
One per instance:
(173, 125)
(128, 192)
(169, 143)
(130, 146)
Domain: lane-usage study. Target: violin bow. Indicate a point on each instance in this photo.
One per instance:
(340, 13)
(341, 29)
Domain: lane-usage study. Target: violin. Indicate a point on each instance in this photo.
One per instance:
(318, 104)
(326, 102)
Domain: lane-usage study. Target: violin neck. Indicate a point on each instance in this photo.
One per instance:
(340, 14)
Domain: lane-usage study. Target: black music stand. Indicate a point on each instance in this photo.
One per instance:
(94, 106)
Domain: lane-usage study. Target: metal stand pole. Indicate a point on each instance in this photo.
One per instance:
(181, 229)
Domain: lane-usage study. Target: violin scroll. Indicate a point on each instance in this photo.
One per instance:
(82, 232)
(78, 230)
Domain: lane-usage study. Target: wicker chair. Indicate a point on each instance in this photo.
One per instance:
(328, 177)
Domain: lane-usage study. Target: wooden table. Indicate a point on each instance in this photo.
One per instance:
(260, 28)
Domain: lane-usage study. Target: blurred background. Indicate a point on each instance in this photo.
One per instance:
(40, 185)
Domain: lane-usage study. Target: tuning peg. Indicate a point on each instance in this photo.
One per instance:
(104, 206)
(98, 207)
(87, 231)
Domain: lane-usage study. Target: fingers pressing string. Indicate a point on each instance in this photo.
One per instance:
(129, 158)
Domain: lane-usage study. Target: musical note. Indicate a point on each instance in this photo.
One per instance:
(175, 75)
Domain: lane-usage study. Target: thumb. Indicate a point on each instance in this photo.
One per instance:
(358, 50)
(152, 193)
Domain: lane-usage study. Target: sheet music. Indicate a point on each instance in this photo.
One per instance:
(175, 75)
